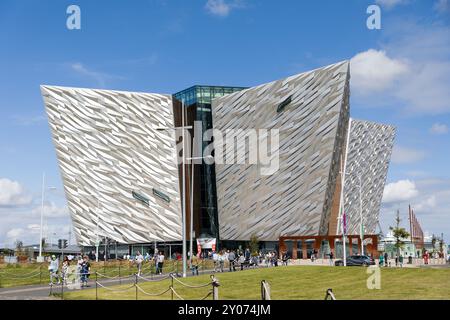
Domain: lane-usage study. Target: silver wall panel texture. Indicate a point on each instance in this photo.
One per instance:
(369, 152)
(107, 147)
(296, 199)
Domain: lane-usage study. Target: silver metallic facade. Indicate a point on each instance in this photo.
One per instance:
(368, 157)
(296, 199)
(108, 147)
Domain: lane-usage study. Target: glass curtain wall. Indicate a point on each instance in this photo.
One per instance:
(201, 97)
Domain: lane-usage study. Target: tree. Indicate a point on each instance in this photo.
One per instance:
(433, 242)
(254, 245)
(19, 247)
(399, 234)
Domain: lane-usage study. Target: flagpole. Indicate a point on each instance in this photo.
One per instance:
(361, 217)
(342, 204)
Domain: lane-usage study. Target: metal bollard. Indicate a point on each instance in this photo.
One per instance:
(265, 290)
(330, 295)
(171, 277)
(135, 284)
(215, 287)
(96, 286)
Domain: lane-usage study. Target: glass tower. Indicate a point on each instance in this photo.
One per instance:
(198, 99)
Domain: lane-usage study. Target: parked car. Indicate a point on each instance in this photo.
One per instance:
(357, 260)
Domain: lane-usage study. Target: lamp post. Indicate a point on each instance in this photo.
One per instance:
(40, 258)
(342, 214)
(183, 230)
(97, 240)
(191, 227)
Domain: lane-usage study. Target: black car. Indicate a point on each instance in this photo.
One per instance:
(357, 261)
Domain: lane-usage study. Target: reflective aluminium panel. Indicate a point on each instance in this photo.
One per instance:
(311, 112)
(120, 173)
(369, 153)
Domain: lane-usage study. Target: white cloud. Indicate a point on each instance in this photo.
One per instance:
(430, 206)
(442, 6)
(13, 194)
(222, 8)
(15, 234)
(373, 71)
(99, 77)
(402, 155)
(218, 7)
(29, 120)
(410, 71)
(438, 128)
(51, 210)
(390, 3)
(402, 190)
(426, 204)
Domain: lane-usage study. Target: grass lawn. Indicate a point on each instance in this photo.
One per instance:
(13, 275)
(300, 282)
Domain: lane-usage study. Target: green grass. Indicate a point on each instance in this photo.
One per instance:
(300, 282)
(13, 275)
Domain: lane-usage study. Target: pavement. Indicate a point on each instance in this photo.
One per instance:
(42, 292)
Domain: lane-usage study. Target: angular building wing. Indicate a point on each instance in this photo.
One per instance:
(311, 112)
(120, 173)
(368, 157)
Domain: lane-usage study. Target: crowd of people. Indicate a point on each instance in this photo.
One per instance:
(82, 269)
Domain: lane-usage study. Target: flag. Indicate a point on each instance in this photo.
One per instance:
(344, 223)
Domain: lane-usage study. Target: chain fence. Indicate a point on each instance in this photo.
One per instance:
(139, 289)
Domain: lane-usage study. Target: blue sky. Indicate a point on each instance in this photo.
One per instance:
(400, 76)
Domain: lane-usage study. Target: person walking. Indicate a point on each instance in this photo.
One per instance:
(380, 260)
(331, 255)
(139, 260)
(53, 268)
(194, 265)
(215, 257)
(313, 256)
(386, 259)
(159, 269)
(242, 261)
(400, 261)
(285, 258)
(221, 258)
(85, 271)
(231, 260)
(65, 269)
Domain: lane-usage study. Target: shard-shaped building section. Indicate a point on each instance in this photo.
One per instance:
(120, 173)
(369, 153)
(311, 112)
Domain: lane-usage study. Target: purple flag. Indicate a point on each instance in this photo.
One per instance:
(344, 223)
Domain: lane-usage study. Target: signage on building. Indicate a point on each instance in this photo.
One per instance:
(206, 243)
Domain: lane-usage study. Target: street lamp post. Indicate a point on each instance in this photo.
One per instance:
(183, 231)
(361, 216)
(341, 203)
(191, 227)
(40, 258)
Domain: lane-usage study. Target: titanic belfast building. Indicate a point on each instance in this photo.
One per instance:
(119, 157)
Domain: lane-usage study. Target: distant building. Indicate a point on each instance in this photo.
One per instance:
(51, 249)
